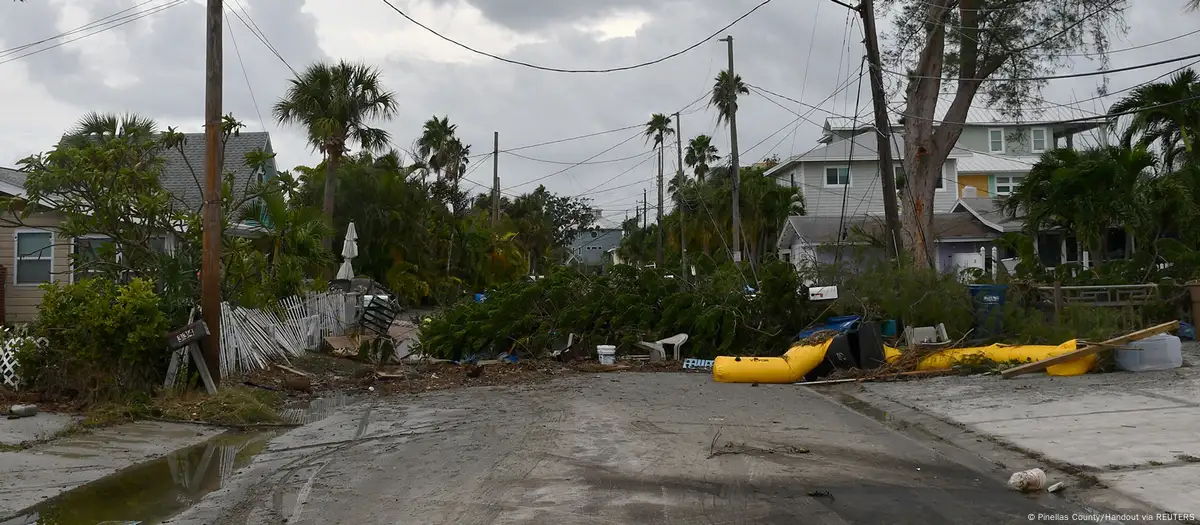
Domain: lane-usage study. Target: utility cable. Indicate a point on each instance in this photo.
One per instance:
(78, 29)
(565, 70)
(1051, 77)
(262, 37)
(238, 51)
(124, 20)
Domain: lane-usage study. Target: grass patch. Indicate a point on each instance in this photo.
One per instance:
(234, 406)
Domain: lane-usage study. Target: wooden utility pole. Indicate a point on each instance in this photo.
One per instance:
(495, 178)
(679, 188)
(658, 260)
(735, 169)
(210, 260)
(645, 210)
(891, 209)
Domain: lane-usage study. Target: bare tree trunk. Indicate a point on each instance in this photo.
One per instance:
(331, 167)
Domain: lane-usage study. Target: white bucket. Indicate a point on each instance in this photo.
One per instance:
(607, 354)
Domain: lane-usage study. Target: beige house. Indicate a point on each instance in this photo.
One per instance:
(32, 251)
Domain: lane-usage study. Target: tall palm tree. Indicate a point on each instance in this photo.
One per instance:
(457, 157)
(436, 142)
(335, 104)
(657, 129)
(699, 154)
(723, 94)
(1167, 113)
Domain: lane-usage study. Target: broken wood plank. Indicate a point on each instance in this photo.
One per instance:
(292, 370)
(1090, 349)
(914, 373)
(209, 385)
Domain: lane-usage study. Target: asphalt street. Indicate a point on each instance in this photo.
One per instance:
(618, 448)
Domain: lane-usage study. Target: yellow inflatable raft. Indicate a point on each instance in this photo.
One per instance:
(799, 360)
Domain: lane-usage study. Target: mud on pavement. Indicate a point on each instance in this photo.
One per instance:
(612, 448)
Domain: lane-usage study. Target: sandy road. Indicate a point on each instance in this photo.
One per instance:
(605, 449)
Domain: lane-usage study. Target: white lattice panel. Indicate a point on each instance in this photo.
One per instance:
(8, 367)
(8, 355)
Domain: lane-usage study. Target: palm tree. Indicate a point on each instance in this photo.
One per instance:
(434, 146)
(456, 158)
(699, 154)
(1085, 193)
(657, 129)
(1166, 112)
(110, 126)
(335, 103)
(724, 94)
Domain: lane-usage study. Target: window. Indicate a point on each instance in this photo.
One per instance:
(996, 140)
(593, 235)
(88, 252)
(35, 257)
(1006, 184)
(1037, 140)
(837, 176)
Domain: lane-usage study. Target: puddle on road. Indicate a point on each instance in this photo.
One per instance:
(149, 493)
(303, 413)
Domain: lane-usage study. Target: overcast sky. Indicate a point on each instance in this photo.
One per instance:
(154, 66)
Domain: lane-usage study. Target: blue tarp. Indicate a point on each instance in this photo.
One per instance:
(841, 323)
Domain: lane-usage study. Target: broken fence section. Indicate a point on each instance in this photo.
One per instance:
(252, 338)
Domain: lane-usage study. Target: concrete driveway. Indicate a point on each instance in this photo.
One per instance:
(617, 448)
(1137, 433)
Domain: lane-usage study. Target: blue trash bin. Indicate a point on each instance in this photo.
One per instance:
(989, 308)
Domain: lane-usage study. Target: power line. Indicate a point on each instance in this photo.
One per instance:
(650, 155)
(125, 20)
(1061, 55)
(564, 70)
(75, 30)
(607, 161)
(262, 37)
(564, 170)
(596, 134)
(1052, 77)
(245, 75)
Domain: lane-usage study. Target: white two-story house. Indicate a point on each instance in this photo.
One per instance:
(841, 184)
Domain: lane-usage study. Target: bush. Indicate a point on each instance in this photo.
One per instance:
(916, 296)
(625, 306)
(104, 341)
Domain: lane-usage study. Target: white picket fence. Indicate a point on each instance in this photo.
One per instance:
(252, 338)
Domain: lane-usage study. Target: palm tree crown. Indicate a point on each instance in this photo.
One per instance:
(724, 94)
(1167, 113)
(699, 154)
(335, 103)
(658, 128)
(435, 144)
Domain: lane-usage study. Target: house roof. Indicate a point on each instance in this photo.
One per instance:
(864, 146)
(948, 227)
(982, 162)
(989, 213)
(604, 223)
(12, 180)
(183, 173)
(1043, 112)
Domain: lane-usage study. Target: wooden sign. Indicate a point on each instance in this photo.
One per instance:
(186, 335)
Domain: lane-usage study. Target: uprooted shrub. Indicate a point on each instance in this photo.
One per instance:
(104, 340)
(625, 306)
